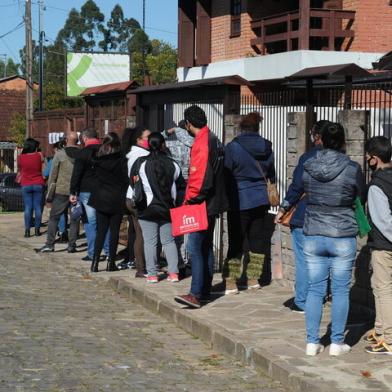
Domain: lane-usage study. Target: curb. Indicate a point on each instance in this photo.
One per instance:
(219, 339)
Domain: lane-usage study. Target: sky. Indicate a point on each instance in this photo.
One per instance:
(161, 19)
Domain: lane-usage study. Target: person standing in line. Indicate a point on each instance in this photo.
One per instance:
(138, 147)
(295, 197)
(108, 197)
(63, 222)
(378, 155)
(160, 178)
(205, 184)
(58, 196)
(82, 183)
(245, 157)
(32, 182)
(331, 182)
(179, 143)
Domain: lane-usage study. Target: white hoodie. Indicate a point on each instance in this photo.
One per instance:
(135, 153)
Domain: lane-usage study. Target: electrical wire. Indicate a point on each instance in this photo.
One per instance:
(17, 27)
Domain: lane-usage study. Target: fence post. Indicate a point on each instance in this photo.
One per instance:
(356, 124)
(232, 128)
(282, 258)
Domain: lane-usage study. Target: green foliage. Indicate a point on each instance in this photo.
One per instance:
(10, 70)
(18, 128)
(162, 62)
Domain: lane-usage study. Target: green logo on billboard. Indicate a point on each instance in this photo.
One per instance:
(74, 89)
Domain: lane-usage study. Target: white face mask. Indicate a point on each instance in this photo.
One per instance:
(312, 138)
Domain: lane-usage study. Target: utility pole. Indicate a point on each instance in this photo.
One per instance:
(29, 67)
(41, 54)
(144, 44)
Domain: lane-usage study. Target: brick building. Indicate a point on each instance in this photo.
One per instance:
(225, 37)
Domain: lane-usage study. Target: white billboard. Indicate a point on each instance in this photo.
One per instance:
(86, 70)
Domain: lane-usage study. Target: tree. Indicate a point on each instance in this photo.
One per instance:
(162, 62)
(10, 69)
(82, 30)
(121, 30)
(18, 128)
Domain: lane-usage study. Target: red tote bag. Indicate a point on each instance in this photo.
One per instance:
(189, 219)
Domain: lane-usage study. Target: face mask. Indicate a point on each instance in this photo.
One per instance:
(145, 144)
(372, 167)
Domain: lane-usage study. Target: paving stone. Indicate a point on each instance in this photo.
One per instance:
(63, 330)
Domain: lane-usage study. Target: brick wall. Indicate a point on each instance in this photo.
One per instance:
(373, 25)
(18, 84)
(11, 102)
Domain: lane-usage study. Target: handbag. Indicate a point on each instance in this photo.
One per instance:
(286, 218)
(272, 189)
(361, 218)
(189, 218)
(76, 211)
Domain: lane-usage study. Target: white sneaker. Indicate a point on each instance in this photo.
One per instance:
(339, 349)
(313, 349)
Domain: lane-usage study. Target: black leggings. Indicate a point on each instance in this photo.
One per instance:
(105, 222)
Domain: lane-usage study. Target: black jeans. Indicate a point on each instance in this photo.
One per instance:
(253, 228)
(60, 204)
(105, 222)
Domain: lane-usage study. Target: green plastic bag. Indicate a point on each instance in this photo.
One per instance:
(362, 220)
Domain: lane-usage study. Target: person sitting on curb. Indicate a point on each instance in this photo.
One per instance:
(378, 155)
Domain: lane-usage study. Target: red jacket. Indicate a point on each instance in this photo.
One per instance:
(206, 178)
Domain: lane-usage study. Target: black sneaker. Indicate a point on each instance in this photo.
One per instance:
(379, 348)
(46, 249)
(87, 258)
(296, 309)
(124, 265)
(71, 249)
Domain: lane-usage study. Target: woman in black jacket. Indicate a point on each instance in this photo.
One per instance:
(108, 197)
(158, 178)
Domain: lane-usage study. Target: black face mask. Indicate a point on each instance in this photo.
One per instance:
(372, 167)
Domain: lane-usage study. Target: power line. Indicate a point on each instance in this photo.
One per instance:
(17, 27)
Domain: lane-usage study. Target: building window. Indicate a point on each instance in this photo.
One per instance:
(236, 9)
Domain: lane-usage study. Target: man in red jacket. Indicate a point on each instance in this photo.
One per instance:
(205, 183)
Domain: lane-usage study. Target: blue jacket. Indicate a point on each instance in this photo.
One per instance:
(296, 190)
(250, 190)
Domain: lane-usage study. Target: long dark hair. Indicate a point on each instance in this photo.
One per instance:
(126, 140)
(158, 158)
(110, 145)
(30, 145)
(136, 133)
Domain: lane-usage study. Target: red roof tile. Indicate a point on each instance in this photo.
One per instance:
(110, 88)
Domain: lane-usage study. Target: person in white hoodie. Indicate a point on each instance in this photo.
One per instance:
(135, 145)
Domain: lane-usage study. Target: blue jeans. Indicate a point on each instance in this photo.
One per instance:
(334, 257)
(90, 227)
(32, 200)
(201, 254)
(62, 226)
(301, 272)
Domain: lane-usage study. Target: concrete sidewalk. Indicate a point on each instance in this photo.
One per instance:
(254, 326)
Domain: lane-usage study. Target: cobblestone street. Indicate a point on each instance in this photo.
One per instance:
(62, 331)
